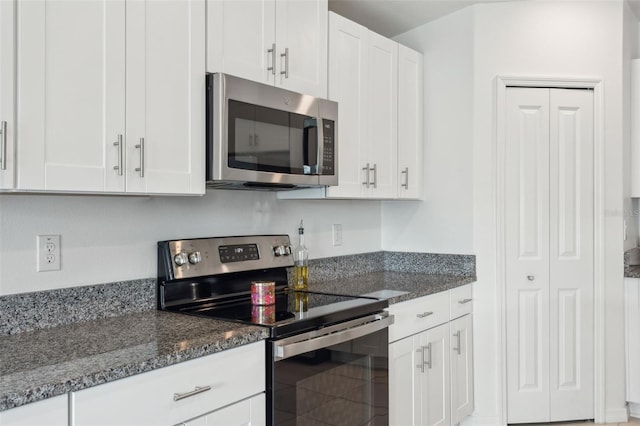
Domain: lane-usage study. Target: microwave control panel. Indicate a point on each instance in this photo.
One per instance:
(328, 147)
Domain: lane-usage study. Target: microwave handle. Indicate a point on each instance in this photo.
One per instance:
(320, 144)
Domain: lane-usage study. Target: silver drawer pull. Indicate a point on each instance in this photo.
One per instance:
(424, 314)
(463, 301)
(196, 391)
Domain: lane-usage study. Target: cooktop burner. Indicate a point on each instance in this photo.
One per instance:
(294, 311)
(212, 277)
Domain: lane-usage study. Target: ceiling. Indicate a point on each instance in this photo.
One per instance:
(393, 17)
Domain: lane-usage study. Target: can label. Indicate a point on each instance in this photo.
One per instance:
(263, 293)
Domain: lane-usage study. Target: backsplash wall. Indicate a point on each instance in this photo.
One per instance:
(109, 238)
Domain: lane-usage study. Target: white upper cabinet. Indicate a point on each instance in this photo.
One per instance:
(165, 98)
(7, 94)
(410, 119)
(110, 96)
(281, 42)
(70, 94)
(382, 117)
(348, 59)
(363, 79)
(635, 128)
(378, 86)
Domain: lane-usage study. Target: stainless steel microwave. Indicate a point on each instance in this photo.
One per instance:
(264, 137)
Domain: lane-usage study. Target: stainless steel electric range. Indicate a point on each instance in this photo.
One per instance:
(327, 354)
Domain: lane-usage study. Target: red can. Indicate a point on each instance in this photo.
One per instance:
(263, 293)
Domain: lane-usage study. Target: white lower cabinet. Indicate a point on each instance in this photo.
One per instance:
(431, 370)
(227, 381)
(250, 412)
(632, 328)
(51, 412)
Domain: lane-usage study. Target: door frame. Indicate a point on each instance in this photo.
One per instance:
(595, 84)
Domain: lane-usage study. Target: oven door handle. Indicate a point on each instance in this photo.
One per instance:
(283, 350)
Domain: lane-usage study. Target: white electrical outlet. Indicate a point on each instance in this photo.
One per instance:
(337, 234)
(49, 253)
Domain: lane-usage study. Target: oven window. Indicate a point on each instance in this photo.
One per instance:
(345, 384)
(270, 140)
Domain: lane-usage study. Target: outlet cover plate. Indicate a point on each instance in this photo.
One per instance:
(49, 253)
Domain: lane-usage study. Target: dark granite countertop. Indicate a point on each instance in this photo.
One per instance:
(43, 363)
(411, 284)
(632, 263)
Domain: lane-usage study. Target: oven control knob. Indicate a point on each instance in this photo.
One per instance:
(195, 257)
(180, 258)
(282, 250)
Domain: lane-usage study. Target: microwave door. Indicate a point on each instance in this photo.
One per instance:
(310, 157)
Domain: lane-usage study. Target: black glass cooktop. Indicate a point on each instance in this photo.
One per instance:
(293, 311)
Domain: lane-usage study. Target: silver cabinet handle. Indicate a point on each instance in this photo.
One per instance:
(463, 301)
(457, 336)
(374, 169)
(405, 172)
(531, 277)
(285, 55)
(141, 168)
(420, 365)
(428, 363)
(365, 169)
(272, 68)
(119, 144)
(424, 314)
(3, 148)
(196, 391)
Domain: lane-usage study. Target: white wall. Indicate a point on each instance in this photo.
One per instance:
(443, 223)
(106, 239)
(560, 39)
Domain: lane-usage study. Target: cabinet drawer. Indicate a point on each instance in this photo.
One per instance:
(461, 301)
(417, 315)
(149, 398)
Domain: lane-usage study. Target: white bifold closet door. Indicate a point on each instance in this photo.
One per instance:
(549, 254)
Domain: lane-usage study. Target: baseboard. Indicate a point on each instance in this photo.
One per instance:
(634, 409)
(616, 415)
(480, 421)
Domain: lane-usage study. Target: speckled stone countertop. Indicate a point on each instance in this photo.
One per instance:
(411, 284)
(66, 340)
(43, 363)
(632, 263)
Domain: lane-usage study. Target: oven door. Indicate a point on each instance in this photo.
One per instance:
(337, 375)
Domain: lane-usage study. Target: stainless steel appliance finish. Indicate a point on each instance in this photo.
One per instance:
(263, 137)
(326, 352)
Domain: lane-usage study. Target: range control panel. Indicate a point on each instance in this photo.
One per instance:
(200, 257)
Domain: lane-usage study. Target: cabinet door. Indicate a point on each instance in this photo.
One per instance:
(404, 399)
(165, 96)
(239, 35)
(410, 116)
(348, 53)
(7, 93)
(71, 88)
(248, 412)
(51, 412)
(382, 116)
(632, 328)
(434, 383)
(301, 29)
(461, 368)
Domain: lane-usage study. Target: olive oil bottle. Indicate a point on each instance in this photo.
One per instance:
(301, 263)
